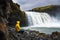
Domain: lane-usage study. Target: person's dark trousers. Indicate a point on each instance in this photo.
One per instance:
(21, 31)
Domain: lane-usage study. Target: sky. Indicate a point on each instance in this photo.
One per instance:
(29, 4)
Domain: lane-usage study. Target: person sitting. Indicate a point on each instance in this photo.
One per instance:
(18, 27)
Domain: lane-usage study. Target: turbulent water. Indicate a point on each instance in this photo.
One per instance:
(42, 22)
(43, 29)
(37, 19)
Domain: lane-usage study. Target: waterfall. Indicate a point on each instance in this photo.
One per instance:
(37, 19)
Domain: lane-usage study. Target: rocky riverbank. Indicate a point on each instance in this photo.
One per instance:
(11, 34)
(33, 35)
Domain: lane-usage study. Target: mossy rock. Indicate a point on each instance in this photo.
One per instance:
(50, 9)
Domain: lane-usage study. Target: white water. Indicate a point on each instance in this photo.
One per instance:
(36, 19)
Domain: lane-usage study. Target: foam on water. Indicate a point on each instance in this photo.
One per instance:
(37, 19)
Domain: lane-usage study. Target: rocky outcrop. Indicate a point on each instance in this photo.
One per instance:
(4, 35)
(17, 14)
(50, 9)
(11, 12)
(26, 35)
(33, 35)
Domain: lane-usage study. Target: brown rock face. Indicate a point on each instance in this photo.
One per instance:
(3, 32)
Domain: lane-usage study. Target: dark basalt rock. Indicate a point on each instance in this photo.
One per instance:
(33, 35)
(16, 14)
(11, 12)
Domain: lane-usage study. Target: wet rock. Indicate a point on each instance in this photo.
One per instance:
(32, 35)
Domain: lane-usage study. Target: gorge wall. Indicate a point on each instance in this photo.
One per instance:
(10, 13)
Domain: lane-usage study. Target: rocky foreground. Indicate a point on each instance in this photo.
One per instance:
(32, 35)
(11, 34)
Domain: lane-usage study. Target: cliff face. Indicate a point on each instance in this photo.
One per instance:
(11, 12)
(51, 9)
(16, 14)
(4, 35)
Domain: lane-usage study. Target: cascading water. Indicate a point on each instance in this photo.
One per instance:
(42, 22)
(37, 19)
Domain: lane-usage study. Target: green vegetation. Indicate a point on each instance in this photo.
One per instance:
(50, 9)
(45, 8)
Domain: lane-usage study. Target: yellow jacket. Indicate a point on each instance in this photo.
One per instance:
(18, 28)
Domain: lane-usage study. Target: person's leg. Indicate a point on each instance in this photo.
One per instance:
(21, 31)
